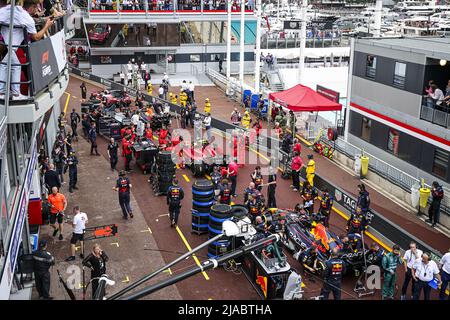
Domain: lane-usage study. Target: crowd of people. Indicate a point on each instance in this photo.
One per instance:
(31, 17)
(436, 98)
(169, 5)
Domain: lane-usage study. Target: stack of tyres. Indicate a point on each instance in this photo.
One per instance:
(166, 171)
(202, 200)
(218, 214)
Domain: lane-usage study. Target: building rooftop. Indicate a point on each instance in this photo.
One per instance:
(432, 47)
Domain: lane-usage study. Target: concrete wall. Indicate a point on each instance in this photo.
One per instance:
(394, 161)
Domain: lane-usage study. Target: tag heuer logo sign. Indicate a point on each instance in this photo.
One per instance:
(338, 195)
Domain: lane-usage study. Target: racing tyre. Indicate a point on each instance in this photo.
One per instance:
(239, 211)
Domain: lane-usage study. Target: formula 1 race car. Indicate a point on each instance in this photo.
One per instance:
(202, 158)
(110, 98)
(305, 231)
(99, 33)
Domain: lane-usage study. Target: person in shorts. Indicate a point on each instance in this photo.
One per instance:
(58, 204)
(80, 220)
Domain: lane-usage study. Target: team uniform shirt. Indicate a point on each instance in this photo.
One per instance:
(135, 119)
(410, 258)
(207, 122)
(297, 163)
(161, 90)
(445, 261)
(233, 169)
(79, 222)
(297, 148)
(112, 148)
(124, 185)
(425, 272)
(57, 201)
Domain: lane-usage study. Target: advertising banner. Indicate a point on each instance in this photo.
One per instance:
(59, 48)
(328, 93)
(44, 65)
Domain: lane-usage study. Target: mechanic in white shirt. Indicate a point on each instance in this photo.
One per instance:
(122, 78)
(207, 124)
(129, 66)
(191, 88)
(424, 270)
(161, 92)
(22, 17)
(129, 79)
(445, 275)
(411, 255)
(135, 118)
(79, 222)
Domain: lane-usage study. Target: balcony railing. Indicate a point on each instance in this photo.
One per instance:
(171, 6)
(38, 76)
(437, 114)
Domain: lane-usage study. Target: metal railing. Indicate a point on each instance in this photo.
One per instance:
(385, 170)
(437, 114)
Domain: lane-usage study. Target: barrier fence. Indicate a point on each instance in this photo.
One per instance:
(379, 223)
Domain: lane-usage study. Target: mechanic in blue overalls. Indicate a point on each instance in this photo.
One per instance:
(334, 270)
(174, 196)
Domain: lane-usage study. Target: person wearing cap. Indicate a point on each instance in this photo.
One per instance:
(409, 258)
(423, 271)
(333, 273)
(174, 196)
(42, 260)
(363, 198)
(71, 164)
(207, 106)
(296, 166)
(389, 264)
(197, 128)
(123, 186)
(311, 170)
(246, 120)
(112, 151)
(437, 194)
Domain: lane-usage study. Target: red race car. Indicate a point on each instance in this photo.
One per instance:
(202, 159)
(117, 97)
(100, 33)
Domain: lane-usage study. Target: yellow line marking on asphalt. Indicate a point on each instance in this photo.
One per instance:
(209, 298)
(168, 270)
(115, 244)
(148, 230)
(186, 178)
(189, 248)
(127, 279)
(67, 101)
(309, 144)
(74, 97)
(80, 286)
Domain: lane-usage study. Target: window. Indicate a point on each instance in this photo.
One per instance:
(371, 66)
(440, 163)
(393, 141)
(366, 126)
(400, 74)
(194, 58)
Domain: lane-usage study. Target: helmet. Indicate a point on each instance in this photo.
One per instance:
(207, 100)
(246, 112)
(170, 94)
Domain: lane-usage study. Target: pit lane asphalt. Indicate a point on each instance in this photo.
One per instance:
(221, 284)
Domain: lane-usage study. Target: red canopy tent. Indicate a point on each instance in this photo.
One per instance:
(304, 99)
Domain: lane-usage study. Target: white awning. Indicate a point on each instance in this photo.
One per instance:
(294, 53)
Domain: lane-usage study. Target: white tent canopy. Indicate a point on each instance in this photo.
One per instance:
(294, 53)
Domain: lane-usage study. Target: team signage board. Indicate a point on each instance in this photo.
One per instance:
(328, 93)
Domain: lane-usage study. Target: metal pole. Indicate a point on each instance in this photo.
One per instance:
(242, 44)
(167, 266)
(258, 46)
(206, 265)
(302, 41)
(228, 45)
(349, 88)
(11, 51)
(377, 25)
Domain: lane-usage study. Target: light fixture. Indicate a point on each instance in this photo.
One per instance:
(442, 62)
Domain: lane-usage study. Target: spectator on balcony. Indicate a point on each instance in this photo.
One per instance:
(52, 9)
(436, 95)
(447, 94)
(22, 18)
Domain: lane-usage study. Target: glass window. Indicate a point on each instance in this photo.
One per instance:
(371, 66)
(400, 74)
(440, 163)
(366, 126)
(393, 141)
(194, 58)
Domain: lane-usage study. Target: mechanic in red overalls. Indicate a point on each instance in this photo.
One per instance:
(148, 132)
(297, 147)
(127, 152)
(258, 127)
(163, 134)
